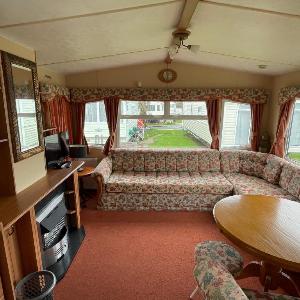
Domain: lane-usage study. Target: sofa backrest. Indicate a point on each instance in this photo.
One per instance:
(199, 160)
(242, 161)
(290, 178)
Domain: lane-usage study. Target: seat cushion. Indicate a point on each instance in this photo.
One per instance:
(245, 184)
(222, 253)
(169, 182)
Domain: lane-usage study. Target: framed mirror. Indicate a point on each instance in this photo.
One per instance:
(22, 93)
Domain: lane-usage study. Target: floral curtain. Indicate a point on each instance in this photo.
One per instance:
(56, 108)
(247, 95)
(278, 147)
(213, 111)
(256, 118)
(111, 108)
(289, 93)
(78, 116)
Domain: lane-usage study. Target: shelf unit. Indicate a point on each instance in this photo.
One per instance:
(20, 252)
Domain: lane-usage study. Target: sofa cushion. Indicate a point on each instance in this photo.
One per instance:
(252, 163)
(150, 160)
(273, 169)
(230, 161)
(287, 173)
(168, 182)
(294, 185)
(245, 184)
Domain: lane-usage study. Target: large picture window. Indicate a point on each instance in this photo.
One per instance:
(95, 125)
(236, 125)
(293, 138)
(158, 124)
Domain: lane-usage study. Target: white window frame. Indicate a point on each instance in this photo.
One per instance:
(288, 136)
(166, 116)
(96, 146)
(246, 147)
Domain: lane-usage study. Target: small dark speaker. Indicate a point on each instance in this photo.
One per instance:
(78, 151)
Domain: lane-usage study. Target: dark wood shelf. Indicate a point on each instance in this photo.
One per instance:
(14, 207)
(3, 140)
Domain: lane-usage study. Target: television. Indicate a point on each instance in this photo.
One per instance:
(57, 147)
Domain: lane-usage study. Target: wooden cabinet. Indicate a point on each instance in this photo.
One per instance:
(19, 241)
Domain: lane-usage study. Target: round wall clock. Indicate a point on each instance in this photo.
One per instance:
(167, 75)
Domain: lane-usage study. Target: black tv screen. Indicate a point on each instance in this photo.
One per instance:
(56, 146)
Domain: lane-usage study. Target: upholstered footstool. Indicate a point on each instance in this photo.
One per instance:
(222, 253)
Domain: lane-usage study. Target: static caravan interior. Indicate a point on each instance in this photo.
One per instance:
(150, 149)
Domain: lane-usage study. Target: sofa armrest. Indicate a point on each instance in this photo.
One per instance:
(102, 172)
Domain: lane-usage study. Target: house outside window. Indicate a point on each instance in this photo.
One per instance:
(293, 136)
(28, 129)
(236, 125)
(163, 124)
(95, 126)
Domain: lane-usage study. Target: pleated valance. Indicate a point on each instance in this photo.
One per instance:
(289, 93)
(245, 95)
(24, 92)
(49, 92)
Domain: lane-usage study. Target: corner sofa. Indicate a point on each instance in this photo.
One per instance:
(144, 179)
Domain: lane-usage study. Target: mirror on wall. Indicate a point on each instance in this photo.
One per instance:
(24, 111)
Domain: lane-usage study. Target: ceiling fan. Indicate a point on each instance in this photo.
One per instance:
(180, 35)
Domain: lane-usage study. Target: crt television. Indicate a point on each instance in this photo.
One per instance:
(57, 147)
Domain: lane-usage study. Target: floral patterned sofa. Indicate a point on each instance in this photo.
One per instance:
(143, 179)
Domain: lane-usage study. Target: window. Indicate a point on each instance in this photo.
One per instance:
(236, 125)
(28, 129)
(157, 124)
(95, 125)
(293, 140)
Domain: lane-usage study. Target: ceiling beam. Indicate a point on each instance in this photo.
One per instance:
(187, 13)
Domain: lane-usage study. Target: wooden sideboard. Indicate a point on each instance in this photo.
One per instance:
(20, 252)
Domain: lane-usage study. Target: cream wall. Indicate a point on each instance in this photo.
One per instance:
(44, 73)
(189, 75)
(280, 82)
(29, 170)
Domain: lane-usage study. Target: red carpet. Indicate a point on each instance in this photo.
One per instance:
(138, 255)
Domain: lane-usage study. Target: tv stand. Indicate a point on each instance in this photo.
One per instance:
(20, 252)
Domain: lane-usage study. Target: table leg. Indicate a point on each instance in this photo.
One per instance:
(271, 277)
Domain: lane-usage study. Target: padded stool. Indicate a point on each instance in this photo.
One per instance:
(221, 252)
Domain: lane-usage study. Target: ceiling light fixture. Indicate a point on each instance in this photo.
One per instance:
(180, 35)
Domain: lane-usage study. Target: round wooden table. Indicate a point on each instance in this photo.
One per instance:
(268, 227)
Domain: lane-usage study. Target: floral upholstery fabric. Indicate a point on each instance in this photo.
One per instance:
(169, 182)
(221, 252)
(252, 163)
(244, 184)
(273, 169)
(104, 169)
(159, 202)
(230, 161)
(200, 160)
(290, 178)
(216, 283)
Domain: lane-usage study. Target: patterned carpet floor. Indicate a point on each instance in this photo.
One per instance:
(139, 255)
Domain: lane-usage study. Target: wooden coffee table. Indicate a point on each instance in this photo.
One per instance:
(268, 227)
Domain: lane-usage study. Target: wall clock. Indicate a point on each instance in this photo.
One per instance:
(167, 75)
